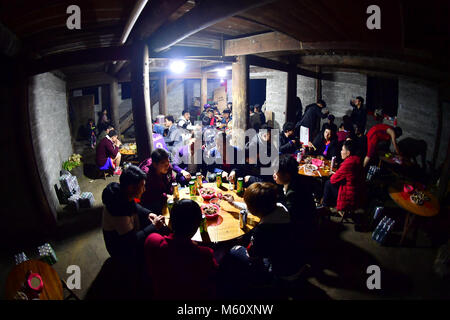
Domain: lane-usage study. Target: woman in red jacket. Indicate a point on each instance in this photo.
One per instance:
(345, 189)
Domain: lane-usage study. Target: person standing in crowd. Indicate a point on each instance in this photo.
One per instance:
(158, 183)
(312, 117)
(330, 124)
(288, 142)
(254, 119)
(189, 159)
(208, 118)
(257, 110)
(359, 113)
(299, 108)
(378, 133)
(103, 120)
(324, 145)
(92, 136)
(107, 154)
(226, 117)
(346, 187)
(173, 138)
(179, 268)
(184, 122)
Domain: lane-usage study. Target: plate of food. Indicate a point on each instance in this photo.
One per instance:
(309, 168)
(210, 210)
(207, 193)
(418, 197)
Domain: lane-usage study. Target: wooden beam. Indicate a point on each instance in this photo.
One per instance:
(203, 15)
(88, 56)
(280, 66)
(319, 84)
(140, 100)
(203, 90)
(114, 94)
(240, 84)
(84, 80)
(163, 94)
(216, 66)
(291, 107)
(266, 42)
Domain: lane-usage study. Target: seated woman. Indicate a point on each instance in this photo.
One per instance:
(297, 195)
(126, 224)
(271, 244)
(189, 159)
(179, 268)
(324, 144)
(107, 154)
(224, 159)
(346, 187)
(159, 180)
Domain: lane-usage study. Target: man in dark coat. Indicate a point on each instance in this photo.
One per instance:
(312, 117)
(359, 114)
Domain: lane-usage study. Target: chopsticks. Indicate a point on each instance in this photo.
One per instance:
(318, 171)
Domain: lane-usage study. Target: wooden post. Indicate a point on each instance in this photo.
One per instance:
(203, 90)
(240, 84)
(140, 99)
(291, 92)
(319, 83)
(185, 95)
(163, 94)
(114, 98)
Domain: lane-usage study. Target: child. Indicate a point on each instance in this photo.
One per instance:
(92, 136)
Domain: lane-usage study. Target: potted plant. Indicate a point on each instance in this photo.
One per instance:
(73, 164)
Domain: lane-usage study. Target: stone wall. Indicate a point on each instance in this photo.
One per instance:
(49, 130)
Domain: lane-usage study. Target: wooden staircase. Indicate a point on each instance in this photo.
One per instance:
(126, 121)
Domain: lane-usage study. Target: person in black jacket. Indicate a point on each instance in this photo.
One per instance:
(311, 118)
(324, 145)
(126, 224)
(288, 143)
(299, 112)
(359, 114)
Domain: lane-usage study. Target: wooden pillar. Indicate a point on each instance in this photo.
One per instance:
(140, 99)
(204, 90)
(291, 92)
(319, 83)
(240, 85)
(114, 98)
(163, 94)
(445, 176)
(185, 94)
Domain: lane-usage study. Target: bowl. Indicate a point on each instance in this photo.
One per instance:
(407, 188)
(210, 216)
(206, 196)
(215, 201)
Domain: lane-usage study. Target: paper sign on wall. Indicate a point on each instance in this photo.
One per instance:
(304, 135)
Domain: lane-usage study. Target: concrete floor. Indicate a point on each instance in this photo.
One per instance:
(339, 271)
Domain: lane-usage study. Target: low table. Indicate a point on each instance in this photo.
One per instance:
(428, 209)
(323, 171)
(52, 289)
(225, 227)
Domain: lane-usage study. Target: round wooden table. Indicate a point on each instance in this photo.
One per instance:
(226, 226)
(52, 289)
(129, 152)
(323, 171)
(402, 199)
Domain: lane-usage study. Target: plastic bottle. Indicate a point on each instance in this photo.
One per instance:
(387, 230)
(378, 228)
(383, 231)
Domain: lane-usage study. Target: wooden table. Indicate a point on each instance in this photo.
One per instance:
(428, 209)
(129, 152)
(226, 227)
(52, 284)
(324, 170)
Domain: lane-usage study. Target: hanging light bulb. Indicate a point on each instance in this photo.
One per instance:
(177, 66)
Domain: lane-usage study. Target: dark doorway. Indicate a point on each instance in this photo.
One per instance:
(382, 93)
(257, 91)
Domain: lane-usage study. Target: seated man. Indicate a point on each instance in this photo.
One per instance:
(208, 118)
(379, 133)
(346, 187)
(189, 159)
(324, 145)
(158, 182)
(225, 118)
(297, 195)
(107, 153)
(184, 122)
(330, 124)
(179, 268)
(271, 244)
(126, 224)
(225, 159)
(174, 137)
(105, 132)
(288, 143)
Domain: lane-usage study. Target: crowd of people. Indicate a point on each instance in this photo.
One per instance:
(176, 268)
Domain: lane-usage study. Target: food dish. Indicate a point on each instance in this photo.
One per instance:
(207, 193)
(418, 197)
(210, 210)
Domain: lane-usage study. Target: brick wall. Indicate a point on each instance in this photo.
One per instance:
(50, 129)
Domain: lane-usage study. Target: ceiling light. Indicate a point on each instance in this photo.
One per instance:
(222, 73)
(177, 66)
